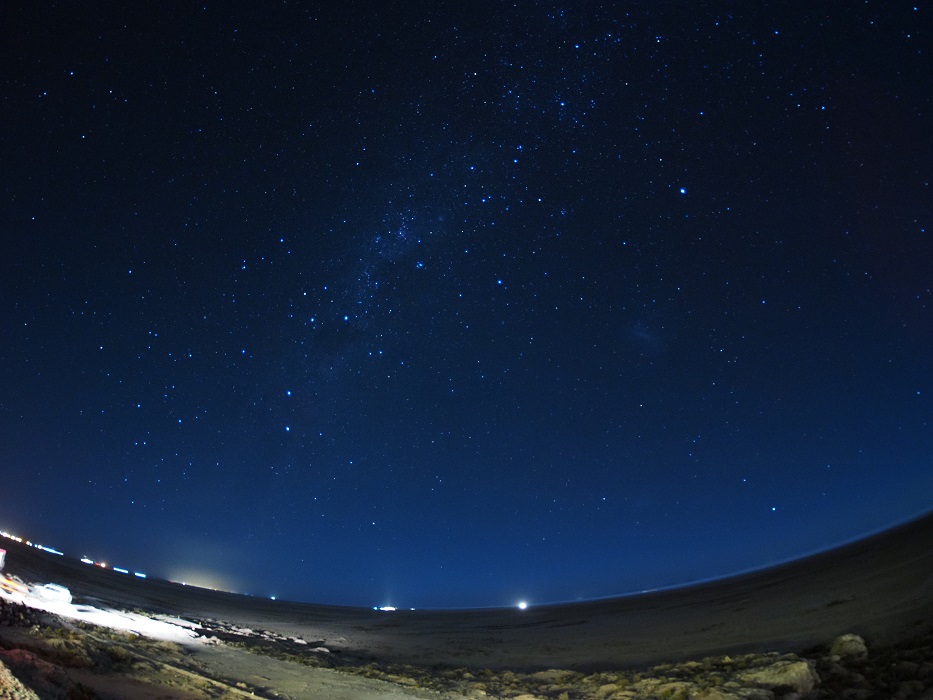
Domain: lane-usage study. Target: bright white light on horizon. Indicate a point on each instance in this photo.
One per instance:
(522, 605)
(202, 579)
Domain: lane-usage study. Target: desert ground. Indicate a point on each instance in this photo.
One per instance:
(718, 640)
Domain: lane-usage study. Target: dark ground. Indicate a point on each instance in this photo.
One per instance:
(880, 588)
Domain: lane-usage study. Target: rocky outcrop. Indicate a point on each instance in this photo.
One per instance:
(841, 669)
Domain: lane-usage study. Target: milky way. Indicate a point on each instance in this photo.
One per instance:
(449, 307)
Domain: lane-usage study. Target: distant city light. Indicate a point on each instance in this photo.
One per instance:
(15, 538)
(46, 549)
(122, 571)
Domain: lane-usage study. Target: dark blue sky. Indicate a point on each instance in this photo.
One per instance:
(461, 305)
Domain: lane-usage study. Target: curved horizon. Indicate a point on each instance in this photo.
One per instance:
(208, 585)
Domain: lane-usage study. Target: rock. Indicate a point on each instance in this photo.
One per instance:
(554, 675)
(909, 689)
(856, 694)
(45, 677)
(783, 677)
(11, 688)
(756, 694)
(718, 695)
(606, 690)
(835, 670)
(675, 690)
(647, 685)
(849, 646)
(907, 670)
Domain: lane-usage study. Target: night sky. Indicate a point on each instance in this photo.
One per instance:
(461, 304)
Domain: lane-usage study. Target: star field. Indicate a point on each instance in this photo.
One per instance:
(460, 306)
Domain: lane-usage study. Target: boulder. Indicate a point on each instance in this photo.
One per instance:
(849, 646)
(783, 677)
